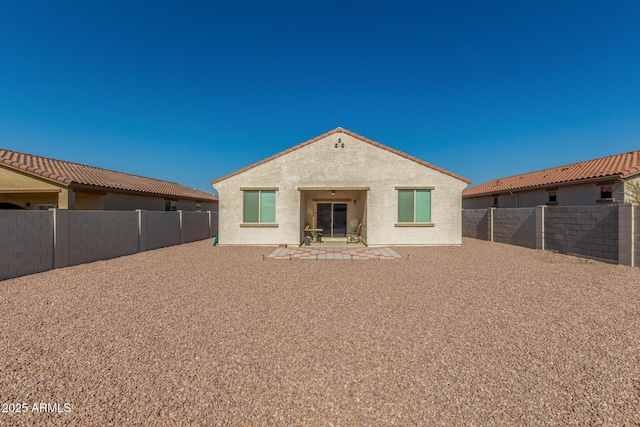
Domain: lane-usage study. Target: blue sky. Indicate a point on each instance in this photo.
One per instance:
(190, 91)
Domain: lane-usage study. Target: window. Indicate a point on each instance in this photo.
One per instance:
(259, 206)
(414, 206)
(170, 205)
(46, 207)
(552, 197)
(606, 192)
(495, 202)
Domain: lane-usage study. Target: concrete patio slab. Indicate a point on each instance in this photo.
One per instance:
(361, 253)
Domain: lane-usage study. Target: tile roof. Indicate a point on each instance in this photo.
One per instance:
(617, 165)
(68, 174)
(353, 134)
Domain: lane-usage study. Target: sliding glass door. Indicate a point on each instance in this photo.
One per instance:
(332, 219)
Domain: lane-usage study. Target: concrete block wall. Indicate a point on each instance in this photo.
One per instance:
(26, 245)
(35, 241)
(195, 226)
(515, 226)
(96, 235)
(475, 223)
(590, 231)
(162, 229)
(608, 232)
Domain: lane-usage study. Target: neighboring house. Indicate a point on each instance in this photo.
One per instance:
(34, 182)
(589, 182)
(335, 182)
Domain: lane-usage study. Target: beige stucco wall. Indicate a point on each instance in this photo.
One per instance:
(209, 206)
(130, 202)
(21, 189)
(122, 201)
(191, 205)
(12, 179)
(626, 191)
(357, 165)
(89, 201)
(567, 195)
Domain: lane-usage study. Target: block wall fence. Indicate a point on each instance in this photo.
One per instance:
(36, 241)
(608, 233)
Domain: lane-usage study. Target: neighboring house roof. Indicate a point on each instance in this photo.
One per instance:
(353, 134)
(70, 174)
(618, 165)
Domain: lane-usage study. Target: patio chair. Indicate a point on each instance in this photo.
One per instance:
(354, 237)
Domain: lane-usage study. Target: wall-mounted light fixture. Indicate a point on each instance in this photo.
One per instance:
(27, 204)
(355, 202)
(333, 192)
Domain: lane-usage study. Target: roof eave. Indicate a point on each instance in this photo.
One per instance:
(542, 186)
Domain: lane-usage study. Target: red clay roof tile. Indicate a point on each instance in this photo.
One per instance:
(617, 165)
(69, 173)
(353, 134)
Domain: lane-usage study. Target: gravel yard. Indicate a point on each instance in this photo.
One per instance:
(483, 334)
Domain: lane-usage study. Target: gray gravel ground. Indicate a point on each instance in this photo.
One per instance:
(483, 334)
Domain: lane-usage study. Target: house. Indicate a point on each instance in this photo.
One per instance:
(34, 182)
(335, 182)
(597, 181)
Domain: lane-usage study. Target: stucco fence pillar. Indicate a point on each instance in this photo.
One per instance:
(626, 234)
(142, 230)
(61, 233)
(540, 211)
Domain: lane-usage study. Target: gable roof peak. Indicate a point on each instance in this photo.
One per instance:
(352, 134)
